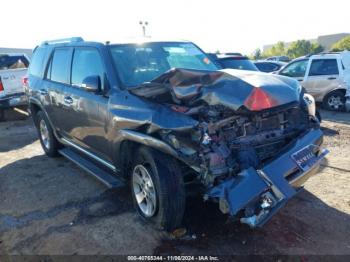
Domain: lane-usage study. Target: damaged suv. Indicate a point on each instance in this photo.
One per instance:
(161, 116)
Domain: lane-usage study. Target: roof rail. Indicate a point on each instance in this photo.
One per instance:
(322, 53)
(63, 40)
(328, 53)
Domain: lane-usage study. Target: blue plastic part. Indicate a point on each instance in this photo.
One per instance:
(246, 189)
(242, 189)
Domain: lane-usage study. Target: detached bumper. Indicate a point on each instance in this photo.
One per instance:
(13, 100)
(258, 194)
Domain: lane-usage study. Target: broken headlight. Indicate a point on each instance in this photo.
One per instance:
(310, 104)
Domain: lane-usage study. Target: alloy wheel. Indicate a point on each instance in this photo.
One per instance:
(44, 133)
(144, 190)
(335, 102)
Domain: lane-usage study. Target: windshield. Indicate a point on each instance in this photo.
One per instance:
(137, 64)
(242, 64)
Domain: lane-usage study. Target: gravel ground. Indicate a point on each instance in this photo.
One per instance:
(50, 206)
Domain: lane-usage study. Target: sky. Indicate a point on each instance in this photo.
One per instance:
(225, 25)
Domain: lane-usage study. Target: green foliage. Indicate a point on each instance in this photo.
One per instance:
(303, 47)
(295, 49)
(341, 45)
(256, 54)
(276, 50)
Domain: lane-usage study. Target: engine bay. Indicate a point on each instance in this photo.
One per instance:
(225, 143)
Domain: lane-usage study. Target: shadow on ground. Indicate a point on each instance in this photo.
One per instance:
(306, 224)
(337, 117)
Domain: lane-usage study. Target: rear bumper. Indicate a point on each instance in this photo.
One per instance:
(258, 194)
(13, 100)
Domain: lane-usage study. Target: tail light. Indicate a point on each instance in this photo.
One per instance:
(25, 81)
(1, 86)
(259, 100)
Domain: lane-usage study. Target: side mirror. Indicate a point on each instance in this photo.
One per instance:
(92, 83)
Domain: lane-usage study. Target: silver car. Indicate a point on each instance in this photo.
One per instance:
(325, 76)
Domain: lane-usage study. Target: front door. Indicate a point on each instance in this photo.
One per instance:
(86, 111)
(296, 70)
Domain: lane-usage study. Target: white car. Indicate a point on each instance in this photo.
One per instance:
(13, 70)
(325, 76)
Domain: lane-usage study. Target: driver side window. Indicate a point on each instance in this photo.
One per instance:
(86, 62)
(296, 69)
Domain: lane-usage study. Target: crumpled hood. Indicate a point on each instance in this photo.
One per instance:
(231, 88)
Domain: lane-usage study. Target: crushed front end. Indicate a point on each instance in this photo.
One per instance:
(255, 142)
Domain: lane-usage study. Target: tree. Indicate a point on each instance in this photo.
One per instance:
(257, 54)
(276, 50)
(316, 48)
(303, 47)
(341, 45)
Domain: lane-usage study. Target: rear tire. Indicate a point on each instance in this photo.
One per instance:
(156, 177)
(334, 101)
(47, 138)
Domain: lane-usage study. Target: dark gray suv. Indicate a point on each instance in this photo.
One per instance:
(162, 117)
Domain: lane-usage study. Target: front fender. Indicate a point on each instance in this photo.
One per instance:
(140, 138)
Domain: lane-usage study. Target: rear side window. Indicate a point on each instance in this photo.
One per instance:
(13, 62)
(321, 67)
(241, 64)
(86, 62)
(37, 63)
(59, 68)
(266, 67)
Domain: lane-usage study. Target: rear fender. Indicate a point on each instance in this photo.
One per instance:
(36, 102)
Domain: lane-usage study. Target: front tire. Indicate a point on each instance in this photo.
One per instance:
(157, 189)
(334, 101)
(47, 138)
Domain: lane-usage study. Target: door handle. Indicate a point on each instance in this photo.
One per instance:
(331, 78)
(300, 80)
(68, 100)
(43, 92)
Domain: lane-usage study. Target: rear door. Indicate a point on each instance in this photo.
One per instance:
(86, 111)
(12, 69)
(57, 78)
(322, 77)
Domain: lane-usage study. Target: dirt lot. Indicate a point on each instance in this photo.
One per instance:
(50, 206)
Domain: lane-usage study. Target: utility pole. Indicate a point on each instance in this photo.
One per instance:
(143, 24)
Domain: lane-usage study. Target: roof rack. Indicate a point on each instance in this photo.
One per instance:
(323, 53)
(63, 40)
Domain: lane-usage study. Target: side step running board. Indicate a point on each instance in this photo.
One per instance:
(104, 177)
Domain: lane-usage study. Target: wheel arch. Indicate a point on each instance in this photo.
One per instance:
(34, 107)
(334, 90)
(128, 143)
